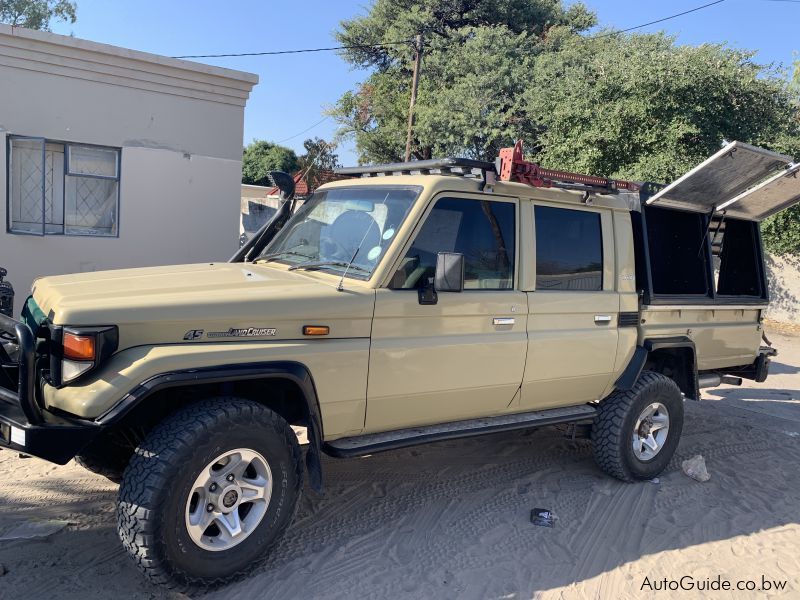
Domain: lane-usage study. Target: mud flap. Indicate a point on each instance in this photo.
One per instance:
(313, 462)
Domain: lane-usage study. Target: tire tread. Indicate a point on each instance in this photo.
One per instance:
(608, 428)
(144, 480)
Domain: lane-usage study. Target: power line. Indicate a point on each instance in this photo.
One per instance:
(680, 14)
(291, 137)
(277, 52)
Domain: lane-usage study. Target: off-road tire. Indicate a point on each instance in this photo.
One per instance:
(613, 427)
(157, 482)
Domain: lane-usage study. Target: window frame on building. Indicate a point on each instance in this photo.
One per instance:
(69, 174)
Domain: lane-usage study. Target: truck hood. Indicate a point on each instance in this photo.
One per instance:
(188, 302)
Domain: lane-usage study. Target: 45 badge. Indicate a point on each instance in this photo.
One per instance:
(233, 332)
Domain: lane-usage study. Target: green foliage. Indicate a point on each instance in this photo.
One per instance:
(781, 233)
(796, 78)
(261, 156)
(319, 157)
(474, 64)
(36, 14)
(641, 107)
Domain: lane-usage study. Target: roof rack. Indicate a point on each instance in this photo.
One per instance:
(437, 166)
(509, 166)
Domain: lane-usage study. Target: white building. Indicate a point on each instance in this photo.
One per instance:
(114, 158)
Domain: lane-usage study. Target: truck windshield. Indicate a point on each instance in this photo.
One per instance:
(336, 226)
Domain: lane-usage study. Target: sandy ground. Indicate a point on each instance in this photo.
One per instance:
(452, 519)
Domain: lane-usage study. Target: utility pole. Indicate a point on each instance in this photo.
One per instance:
(414, 86)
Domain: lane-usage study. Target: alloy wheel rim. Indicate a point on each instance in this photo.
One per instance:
(650, 431)
(228, 499)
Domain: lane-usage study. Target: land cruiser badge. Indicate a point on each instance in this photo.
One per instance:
(243, 332)
(233, 332)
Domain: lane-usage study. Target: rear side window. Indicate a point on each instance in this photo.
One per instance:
(482, 230)
(678, 254)
(569, 249)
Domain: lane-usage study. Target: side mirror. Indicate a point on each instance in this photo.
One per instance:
(449, 277)
(449, 272)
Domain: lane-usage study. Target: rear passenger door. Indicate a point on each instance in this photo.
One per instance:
(464, 356)
(573, 310)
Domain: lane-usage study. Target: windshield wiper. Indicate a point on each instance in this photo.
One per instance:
(275, 255)
(327, 263)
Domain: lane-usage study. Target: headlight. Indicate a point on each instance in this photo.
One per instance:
(83, 348)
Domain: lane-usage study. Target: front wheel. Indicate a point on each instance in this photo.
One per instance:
(208, 492)
(635, 432)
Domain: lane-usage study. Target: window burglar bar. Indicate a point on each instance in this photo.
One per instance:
(62, 188)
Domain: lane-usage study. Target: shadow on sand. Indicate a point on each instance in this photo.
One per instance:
(452, 519)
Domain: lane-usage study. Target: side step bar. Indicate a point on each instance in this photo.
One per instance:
(401, 438)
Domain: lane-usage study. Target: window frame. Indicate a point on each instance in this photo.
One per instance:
(644, 278)
(66, 173)
(607, 279)
(429, 207)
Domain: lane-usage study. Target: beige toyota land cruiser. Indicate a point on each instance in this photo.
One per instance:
(409, 303)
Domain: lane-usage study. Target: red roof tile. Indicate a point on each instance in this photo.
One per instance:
(301, 184)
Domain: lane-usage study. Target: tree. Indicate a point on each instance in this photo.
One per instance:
(781, 232)
(319, 153)
(319, 158)
(472, 77)
(633, 106)
(262, 156)
(641, 107)
(36, 14)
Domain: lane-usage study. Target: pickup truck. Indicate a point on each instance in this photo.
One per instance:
(404, 304)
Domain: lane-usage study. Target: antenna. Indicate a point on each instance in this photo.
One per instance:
(340, 287)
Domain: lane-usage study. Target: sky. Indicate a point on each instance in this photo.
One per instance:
(287, 105)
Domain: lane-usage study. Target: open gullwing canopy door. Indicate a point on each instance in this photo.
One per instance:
(741, 181)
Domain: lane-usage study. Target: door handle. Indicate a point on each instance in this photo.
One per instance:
(602, 319)
(503, 321)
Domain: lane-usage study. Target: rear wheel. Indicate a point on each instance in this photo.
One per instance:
(636, 432)
(208, 492)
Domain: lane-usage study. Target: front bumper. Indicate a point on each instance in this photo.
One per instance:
(24, 425)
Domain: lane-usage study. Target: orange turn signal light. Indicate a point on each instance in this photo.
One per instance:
(316, 330)
(79, 347)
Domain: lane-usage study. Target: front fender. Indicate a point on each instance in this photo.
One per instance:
(338, 366)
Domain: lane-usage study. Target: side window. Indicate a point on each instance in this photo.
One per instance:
(569, 249)
(58, 188)
(483, 231)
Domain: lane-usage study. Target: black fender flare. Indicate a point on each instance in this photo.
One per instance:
(631, 373)
(293, 371)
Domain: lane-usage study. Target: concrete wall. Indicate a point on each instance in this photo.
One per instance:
(783, 274)
(179, 126)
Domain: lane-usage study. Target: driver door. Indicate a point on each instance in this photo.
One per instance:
(464, 356)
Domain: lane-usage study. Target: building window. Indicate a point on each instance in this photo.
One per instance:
(483, 231)
(569, 249)
(57, 188)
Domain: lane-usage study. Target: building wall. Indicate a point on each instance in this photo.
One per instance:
(173, 209)
(783, 274)
(179, 126)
